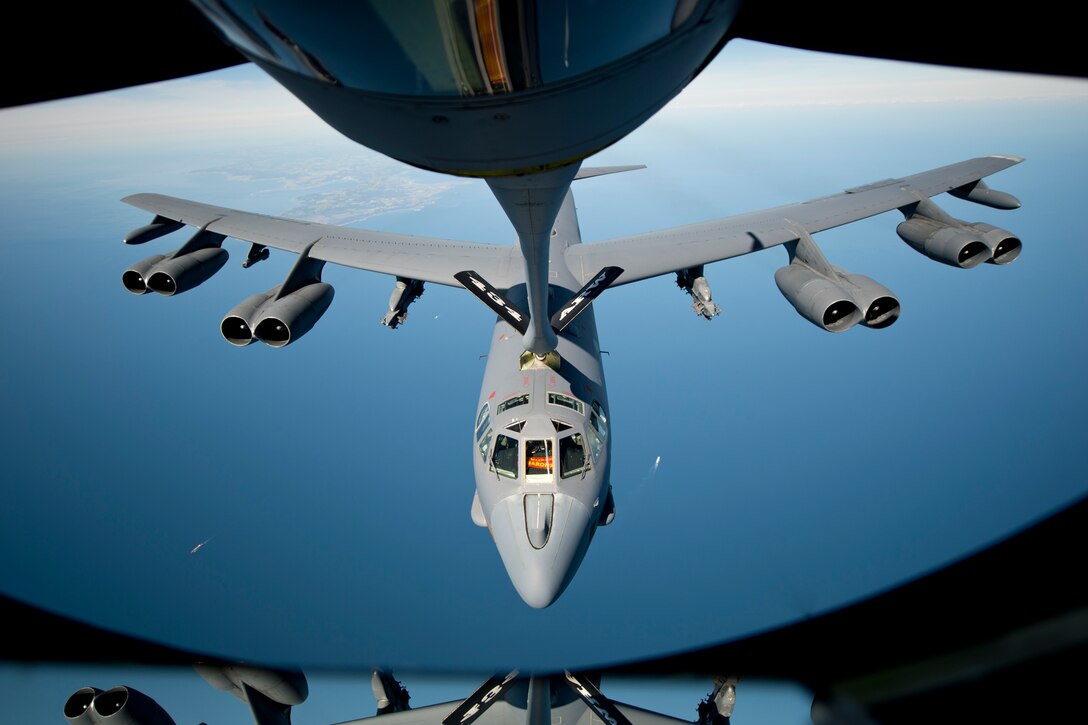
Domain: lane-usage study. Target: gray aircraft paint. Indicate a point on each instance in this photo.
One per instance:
(540, 573)
(542, 525)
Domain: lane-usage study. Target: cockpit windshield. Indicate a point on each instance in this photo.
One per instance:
(539, 462)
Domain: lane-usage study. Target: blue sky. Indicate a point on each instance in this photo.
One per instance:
(799, 470)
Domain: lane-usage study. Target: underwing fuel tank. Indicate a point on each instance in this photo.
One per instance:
(286, 687)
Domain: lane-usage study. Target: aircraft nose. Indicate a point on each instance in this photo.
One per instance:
(541, 539)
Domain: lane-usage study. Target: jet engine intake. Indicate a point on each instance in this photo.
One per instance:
(1004, 245)
(816, 298)
(284, 320)
(78, 707)
(117, 706)
(237, 325)
(135, 277)
(879, 306)
(960, 247)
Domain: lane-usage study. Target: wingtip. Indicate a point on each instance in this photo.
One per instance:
(1008, 157)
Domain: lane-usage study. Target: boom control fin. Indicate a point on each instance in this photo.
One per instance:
(600, 705)
(490, 296)
(586, 295)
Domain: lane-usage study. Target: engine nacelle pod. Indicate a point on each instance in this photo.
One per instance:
(955, 246)
(135, 277)
(116, 706)
(285, 320)
(1004, 245)
(237, 325)
(177, 274)
(817, 299)
(879, 305)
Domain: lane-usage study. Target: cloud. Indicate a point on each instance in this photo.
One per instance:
(241, 100)
(748, 75)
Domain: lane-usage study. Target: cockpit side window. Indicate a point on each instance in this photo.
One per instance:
(512, 403)
(595, 444)
(482, 421)
(484, 442)
(598, 420)
(572, 455)
(504, 458)
(483, 430)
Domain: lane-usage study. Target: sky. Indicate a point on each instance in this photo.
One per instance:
(764, 470)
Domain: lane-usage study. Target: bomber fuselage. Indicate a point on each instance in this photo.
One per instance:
(541, 440)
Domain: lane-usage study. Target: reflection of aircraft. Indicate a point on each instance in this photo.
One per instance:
(541, 449)
(982, 638)
(269, 694)
(513, 699)
(996, 637)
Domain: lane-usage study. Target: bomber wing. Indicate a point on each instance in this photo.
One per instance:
(427, 259)
(671, 250)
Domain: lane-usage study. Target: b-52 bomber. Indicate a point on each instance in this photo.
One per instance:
(541, 443)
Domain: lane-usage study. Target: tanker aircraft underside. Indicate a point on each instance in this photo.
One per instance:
(541, 442)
